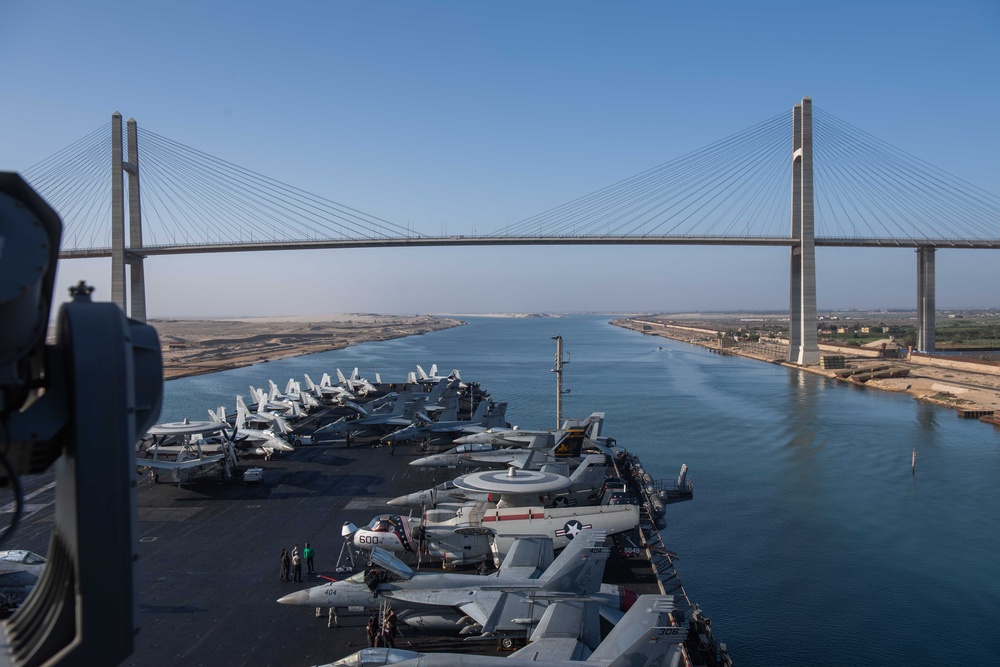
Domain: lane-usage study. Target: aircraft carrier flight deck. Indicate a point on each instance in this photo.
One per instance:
(208, 570)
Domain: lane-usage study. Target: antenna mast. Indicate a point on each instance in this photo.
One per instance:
(558, 370)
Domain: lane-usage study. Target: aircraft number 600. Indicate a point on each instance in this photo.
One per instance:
(367, 539)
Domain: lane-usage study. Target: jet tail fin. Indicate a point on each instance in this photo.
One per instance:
(481, 411)
(281, 424)
(580, 566)
(411, 378)
(644, 634)
(309, 383)
(421, 373)
(340, 377)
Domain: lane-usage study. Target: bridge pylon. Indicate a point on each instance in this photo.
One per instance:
(122, 257)
(803, 348)
(925, 299)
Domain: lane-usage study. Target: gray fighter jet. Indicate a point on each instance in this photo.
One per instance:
(521, 449)
(487, 415)
(646, 636)
(394, 417)
(500, 604)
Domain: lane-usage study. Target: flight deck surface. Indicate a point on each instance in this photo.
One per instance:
(208, 570)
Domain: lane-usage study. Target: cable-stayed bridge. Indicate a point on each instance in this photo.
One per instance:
(831, 185)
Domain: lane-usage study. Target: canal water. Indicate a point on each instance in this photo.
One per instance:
(808, 541)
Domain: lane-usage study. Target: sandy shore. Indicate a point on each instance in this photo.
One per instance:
(963, 386)
(194, 347)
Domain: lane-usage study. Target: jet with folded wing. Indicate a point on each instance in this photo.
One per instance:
(646, 636)
(498, 605)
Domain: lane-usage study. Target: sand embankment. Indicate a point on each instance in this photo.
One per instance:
(194, 347)
(963, 385)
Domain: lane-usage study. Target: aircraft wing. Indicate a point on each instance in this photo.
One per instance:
(486, 608)
(183, 465)
(556, 649)
(528, 557)
(475, 603)
(566, 630)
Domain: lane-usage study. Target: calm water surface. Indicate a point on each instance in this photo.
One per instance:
(808, 541)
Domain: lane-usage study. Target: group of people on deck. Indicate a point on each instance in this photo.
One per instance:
(291, 564)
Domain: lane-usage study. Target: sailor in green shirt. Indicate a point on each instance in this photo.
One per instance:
(308, 554)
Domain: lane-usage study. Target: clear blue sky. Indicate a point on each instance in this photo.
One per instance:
(445, 115)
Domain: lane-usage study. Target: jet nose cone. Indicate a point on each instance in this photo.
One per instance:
(464, 440)
(401, 501)
(298, 598)
(425, 461)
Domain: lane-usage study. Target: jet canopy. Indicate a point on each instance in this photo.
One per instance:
(477, 447)
(21, 556)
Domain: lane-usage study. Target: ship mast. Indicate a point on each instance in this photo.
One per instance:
(558, 370)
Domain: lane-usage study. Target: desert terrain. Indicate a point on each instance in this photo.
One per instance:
(197, 346)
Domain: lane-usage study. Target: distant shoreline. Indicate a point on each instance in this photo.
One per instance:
(199, 347)
(963, 386)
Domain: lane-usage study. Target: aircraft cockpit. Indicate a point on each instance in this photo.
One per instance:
(386, 523)
(370, 657)
(478, 447)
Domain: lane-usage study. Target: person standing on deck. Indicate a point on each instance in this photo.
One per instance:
(309, 554)
(389, 632)
(296, 567)
(372, 631)
(285, 564)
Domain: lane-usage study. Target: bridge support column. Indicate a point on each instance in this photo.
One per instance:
(803, 346)
(117, 215)
(135, 257)
(925, 299)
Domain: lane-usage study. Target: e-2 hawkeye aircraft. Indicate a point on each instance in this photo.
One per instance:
(472, 533)
(645, 636)
(498, 604)
(179, 451)
(582, 487)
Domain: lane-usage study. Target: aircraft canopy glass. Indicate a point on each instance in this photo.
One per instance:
(386, 523)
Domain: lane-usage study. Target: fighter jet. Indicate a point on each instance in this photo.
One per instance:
(328, 392)
(473, 604)
(591, 428)
(647, 635)
(258, 442)
(472, 533)
(355, 384)
(441, 431)
(433, 377)
(541, 448)
(389, 418)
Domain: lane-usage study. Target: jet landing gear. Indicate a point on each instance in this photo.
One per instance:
(510, 643)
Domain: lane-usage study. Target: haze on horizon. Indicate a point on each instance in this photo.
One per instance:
(454, 117)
